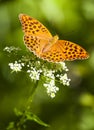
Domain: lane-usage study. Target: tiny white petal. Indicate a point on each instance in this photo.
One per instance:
(22, 64)
(28, 65)
(52, 95)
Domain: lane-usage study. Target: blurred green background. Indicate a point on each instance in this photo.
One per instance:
(73, 107)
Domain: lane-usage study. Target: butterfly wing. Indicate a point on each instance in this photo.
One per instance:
(36, 34)
(35, 44)
(31, 26)
(37, 38)
(64, 50)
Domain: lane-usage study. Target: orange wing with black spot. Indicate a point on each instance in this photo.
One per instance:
(36, 35)
(64, 50)
(39, 40)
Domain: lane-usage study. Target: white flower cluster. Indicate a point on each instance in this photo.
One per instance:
(33, 73)
(63, 65)
(16, 66)
(64, 79)
(11, 48)
(48, 74)
(50, 83)
(36, 69)
(51, 88)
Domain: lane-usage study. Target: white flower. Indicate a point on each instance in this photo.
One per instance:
(52, 95)
(51, 88)
(49, 73)
(63, 65)
(28, 65)
(11, 48)
(35, 68)
(34, 74)
(64, 79)
(22, 64)
(15, 66)
(38, 62)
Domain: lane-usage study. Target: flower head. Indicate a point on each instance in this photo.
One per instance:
(16, 66)
(50, 72)
(64, 79)
(63, 65)
(11, 48)
(34, 73)
(51, 88)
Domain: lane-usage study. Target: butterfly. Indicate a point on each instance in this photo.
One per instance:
(40, 41)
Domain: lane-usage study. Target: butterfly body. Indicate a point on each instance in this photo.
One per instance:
(40, 41)
(50, 43)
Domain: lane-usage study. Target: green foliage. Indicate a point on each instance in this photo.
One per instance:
(22, 118)
(73, 107)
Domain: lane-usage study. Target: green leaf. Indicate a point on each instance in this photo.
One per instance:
(10, 126)
(31, 116)
(18, 112)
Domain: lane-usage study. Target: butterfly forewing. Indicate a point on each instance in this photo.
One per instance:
(33, 27)
(35, 44)
(36, 35)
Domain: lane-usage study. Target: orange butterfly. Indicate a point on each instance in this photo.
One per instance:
(40, 41)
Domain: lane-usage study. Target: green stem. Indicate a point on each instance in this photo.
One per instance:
(27, 106)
